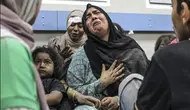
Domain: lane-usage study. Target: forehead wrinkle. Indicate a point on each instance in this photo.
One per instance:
(92, 10)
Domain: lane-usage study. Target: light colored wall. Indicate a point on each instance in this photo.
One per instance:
(119, 6)
(146, 40)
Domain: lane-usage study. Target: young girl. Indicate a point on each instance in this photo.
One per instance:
(47, 64)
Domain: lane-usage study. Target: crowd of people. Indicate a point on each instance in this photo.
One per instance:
(95, 65)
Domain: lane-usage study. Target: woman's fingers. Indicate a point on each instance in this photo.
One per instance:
(89, 103)
(113, 65)
(67, 52)
(103, 68)
(98, 104)
(119, 72)
(118, 67)
(105, 102)
(92, 99)
(64, 51)
(95, 101)
(119, 77)
(70, 52)
(110, 106)
(104, 99)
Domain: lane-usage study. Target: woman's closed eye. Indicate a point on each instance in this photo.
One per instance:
(80, 25)
(88, 16)
(73, 24)
(97, 12)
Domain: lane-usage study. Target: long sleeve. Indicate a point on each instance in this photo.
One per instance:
(81, 78)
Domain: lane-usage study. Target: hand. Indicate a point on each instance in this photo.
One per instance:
(66, 52)
(112, 74)
(88, 100)
(110, 103)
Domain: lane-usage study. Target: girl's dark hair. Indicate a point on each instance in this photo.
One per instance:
(53, 55)
(179, 6)
(166, 38)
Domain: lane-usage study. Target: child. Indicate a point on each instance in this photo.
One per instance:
(47, 63)
(163, 41)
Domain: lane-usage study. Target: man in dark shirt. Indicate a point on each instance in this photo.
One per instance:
(166, 85)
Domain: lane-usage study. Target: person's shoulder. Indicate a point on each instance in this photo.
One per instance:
(173, 52)
(174, 48)
(136, 51)
(13, 45)
(54, 84)
(55, 81)
(10, 41)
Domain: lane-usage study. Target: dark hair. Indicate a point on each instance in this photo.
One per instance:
(179, 6)
(166, 38)
(53, 55)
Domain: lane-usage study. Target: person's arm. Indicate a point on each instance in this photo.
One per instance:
(70, 91)
(54, 98)
(57, 93)
(154, 93)
(81, 99)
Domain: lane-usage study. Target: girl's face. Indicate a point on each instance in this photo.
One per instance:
(44, 64)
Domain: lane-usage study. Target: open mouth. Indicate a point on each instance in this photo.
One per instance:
(96, 23)
(75, 35)
(41, 71)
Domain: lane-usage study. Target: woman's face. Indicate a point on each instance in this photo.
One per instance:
(75, 31)
(44, 64)
(96, 21)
